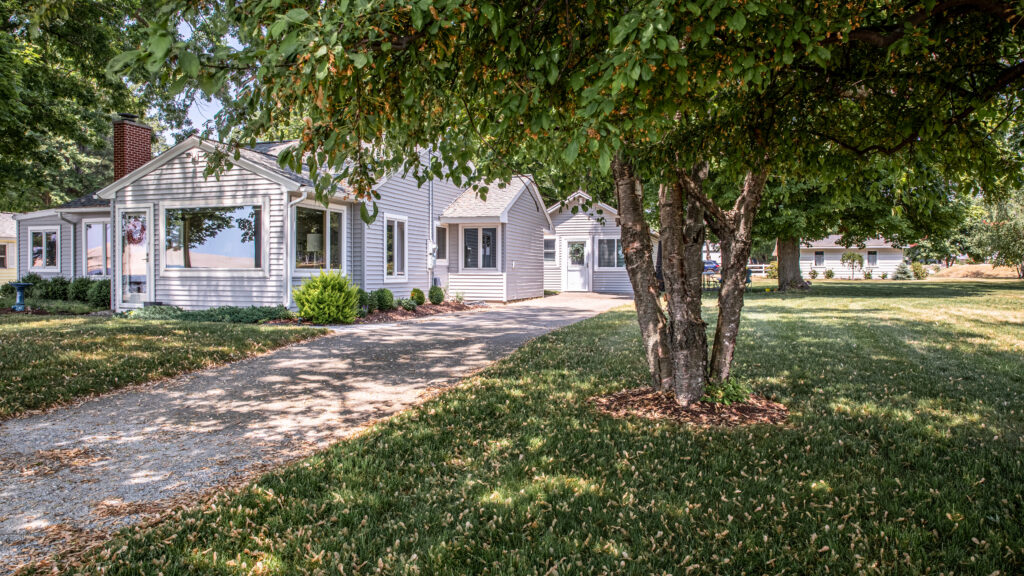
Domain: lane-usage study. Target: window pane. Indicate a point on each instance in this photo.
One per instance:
(37, 249)
(309, 238)
(620, 257)
(442, 243)
(549, 250)
(3, 255)
(400, 248)
(389, 247)
(872, 258)
(819, 258)
(51, 249)
(488, 247)
(221, 238)
(470, 239)
(134, 257)
(97, 251)
(606, 253)
(337, 241)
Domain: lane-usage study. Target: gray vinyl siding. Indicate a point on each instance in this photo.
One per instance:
(593, 226)
(888, 260)
(612, 281)
(524, 248)
(478, 286)
(357, 240)
(67, 236)
(553, 270)
(181, 181)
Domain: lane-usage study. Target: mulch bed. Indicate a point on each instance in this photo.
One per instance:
(28, 311)
(396, 315)
(652, 404)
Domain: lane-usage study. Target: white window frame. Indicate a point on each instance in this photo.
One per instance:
(447, 243)
(814, 259)
(108, 245)
(115, 286)
(551, 263)
(597, 255)
(867, 259)
(395, 278)
(43, 230)
(328, 240)
(6, 256)
(479, 253)
(160, 243)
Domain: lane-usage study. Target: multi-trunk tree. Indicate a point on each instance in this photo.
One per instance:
(705, 101)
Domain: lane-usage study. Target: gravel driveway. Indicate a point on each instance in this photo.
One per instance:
(75, 474)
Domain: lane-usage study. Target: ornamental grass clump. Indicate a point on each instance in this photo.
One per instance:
(329, 298)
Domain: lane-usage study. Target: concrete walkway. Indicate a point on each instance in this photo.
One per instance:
(80, 472)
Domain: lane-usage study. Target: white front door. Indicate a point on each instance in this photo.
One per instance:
(577, 265)
(135, 262)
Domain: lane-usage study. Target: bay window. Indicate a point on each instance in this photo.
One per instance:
(45, 246)
(319, 239)
(96, 245)
(213, 238)
(609, 253)
(480, 248)
(395, 248)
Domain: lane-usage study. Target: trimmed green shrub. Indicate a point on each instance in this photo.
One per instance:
(407, 303)
(7, 290)
(773, 271)
(99, 294)
(35, 280)
(829, 274)
(418, 297)
(867, 274)
(813, 274)
(919, 271)
(55, 288)
(902, 272)
(79, 289)
(385, 299)
(329, 298)
(225, 314)
(436, 294)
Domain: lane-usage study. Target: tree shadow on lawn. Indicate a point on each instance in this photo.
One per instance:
(911, 289)
(892, 461)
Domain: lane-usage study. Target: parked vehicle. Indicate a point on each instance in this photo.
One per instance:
(711, 266)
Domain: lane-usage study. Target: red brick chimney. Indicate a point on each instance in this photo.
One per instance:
(133, 144)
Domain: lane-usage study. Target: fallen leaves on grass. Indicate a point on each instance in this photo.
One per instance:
(652, 404)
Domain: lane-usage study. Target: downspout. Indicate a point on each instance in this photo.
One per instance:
(289, 245)
(431, 235)
(74, 243)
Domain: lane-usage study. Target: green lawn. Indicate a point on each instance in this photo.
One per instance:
(903, 454)
(50, 360)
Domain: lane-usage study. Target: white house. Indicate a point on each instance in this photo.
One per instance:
(583, 250)
(880, 257)
(164, 233)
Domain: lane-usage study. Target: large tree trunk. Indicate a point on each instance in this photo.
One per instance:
(682, 239)
(735, 231)
(638, 252)
(789, 264)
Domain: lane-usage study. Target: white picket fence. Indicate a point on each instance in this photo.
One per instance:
(758, 269)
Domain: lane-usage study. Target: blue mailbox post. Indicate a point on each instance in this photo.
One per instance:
(19, 301)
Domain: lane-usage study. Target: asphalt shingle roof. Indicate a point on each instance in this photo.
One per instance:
(471, 205)
(833, 242)
(87, 201)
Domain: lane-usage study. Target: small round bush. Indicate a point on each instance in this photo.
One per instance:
(919, 271)
(99, 294)
(772, 271)
(408, 304)
(436, 294)
(417, 297)
(35, 280)
(79, 289)
(829, 274)
(7, 290)
(385, 299)
(813, 274)
(329, 298)
(55, 288)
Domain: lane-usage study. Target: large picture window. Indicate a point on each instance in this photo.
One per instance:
(480, 248)
(549, 250)
(395, 248)
(45, 245)
(96, 244)
(215, 238)
(609, 253)
(319, 239)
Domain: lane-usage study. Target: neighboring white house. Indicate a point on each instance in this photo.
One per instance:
(164, 233)
(8, 248)
(583, 251)
(880, 257)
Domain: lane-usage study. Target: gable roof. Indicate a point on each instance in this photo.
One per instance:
(258, 162)
(581, 195)
(833, 241)
(470, 207)
(8, 228)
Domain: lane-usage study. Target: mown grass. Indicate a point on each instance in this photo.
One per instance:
(51, 360)
(53, 306)
(903, 454)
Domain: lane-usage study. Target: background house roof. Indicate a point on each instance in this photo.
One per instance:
(471, 205)
(87, 201)
(833, 241)
(8, 228)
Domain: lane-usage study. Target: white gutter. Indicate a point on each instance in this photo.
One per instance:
(288, 247)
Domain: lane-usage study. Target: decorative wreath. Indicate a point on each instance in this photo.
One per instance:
(135, 231)
(576, 252)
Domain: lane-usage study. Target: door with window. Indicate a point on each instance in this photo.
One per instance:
(577, 265)
(135, 262)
